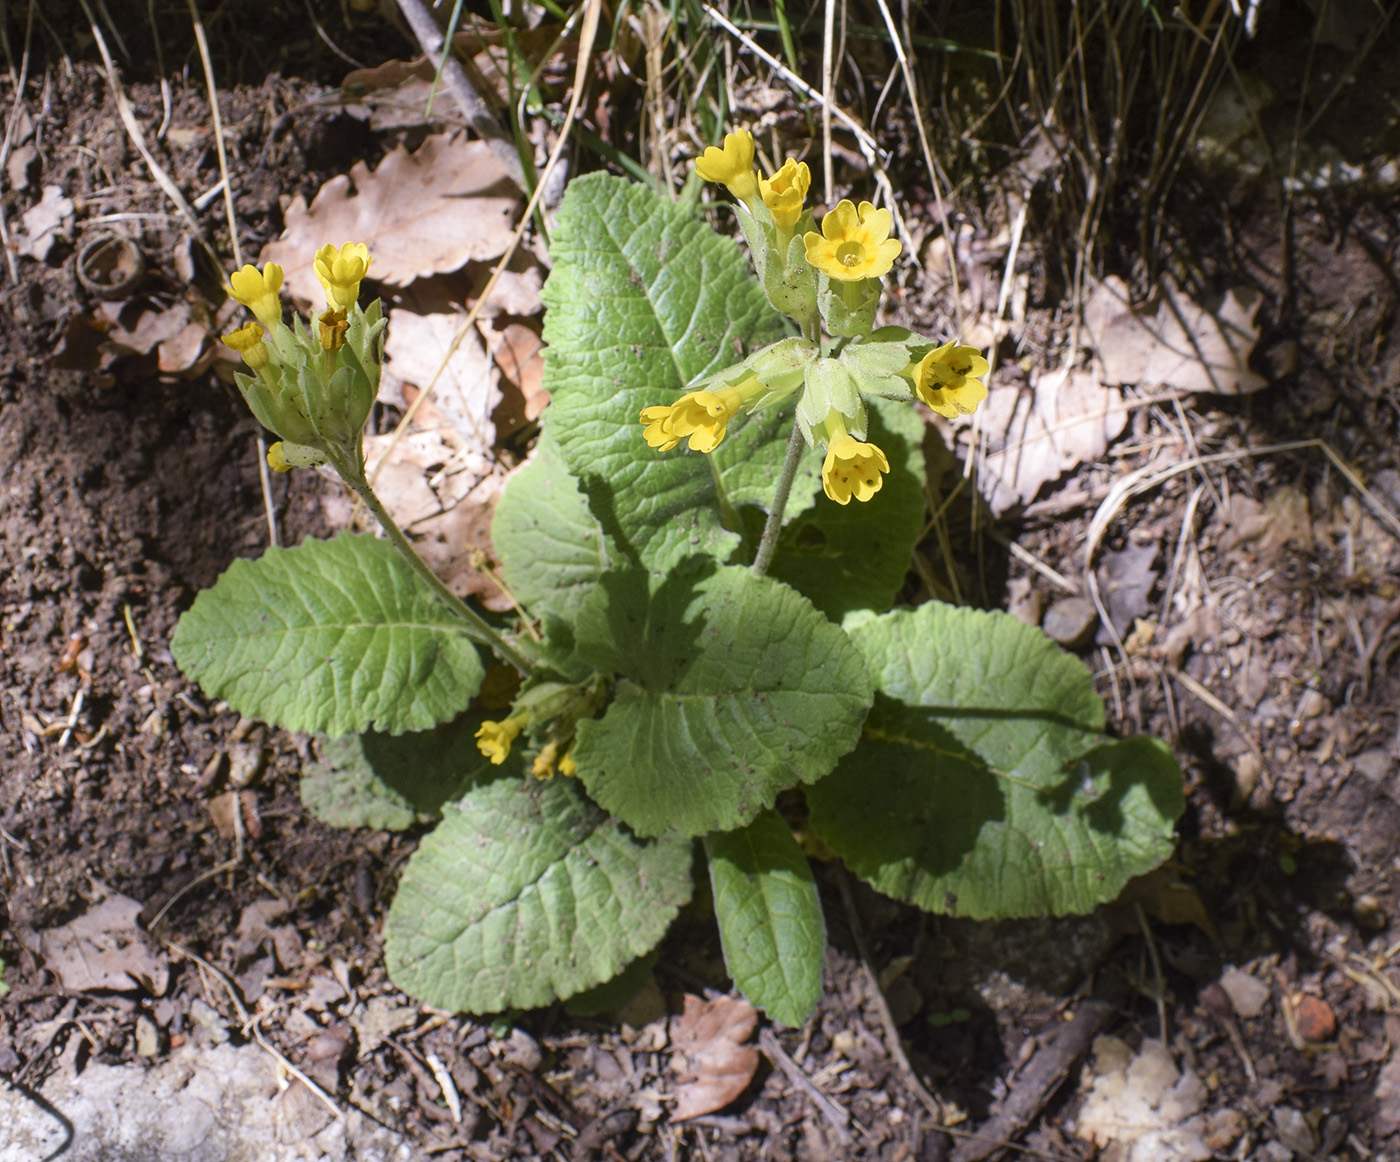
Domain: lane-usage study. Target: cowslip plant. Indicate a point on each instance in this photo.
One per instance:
(706, 624)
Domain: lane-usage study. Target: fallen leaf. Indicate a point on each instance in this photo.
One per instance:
(467, 391)
(423, 213)
(1126, 581)
(1067, 418)
(1183, 345)
(104, 949)
(714, 1064)
(518, 351)
(43, 223)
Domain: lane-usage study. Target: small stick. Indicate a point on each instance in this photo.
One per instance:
(832, 1112)
(1039, 1080)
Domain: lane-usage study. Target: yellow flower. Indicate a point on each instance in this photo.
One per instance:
(700, 416)
(259, 291)
(248, 342)
(277, 459)
(854, 244)
(784, 192)
(731, 166)
(851, 468)
(567, 767)
(493, 739)
(543, 766)
(947, 379)
(340, 272)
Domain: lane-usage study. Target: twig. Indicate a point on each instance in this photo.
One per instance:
(587, 33)
(892, 1041)
(1039, 1080)
(479, 117)
(838, 1117)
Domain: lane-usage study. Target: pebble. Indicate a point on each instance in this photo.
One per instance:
(1374, 764)
(1071, 621)
(1247, 993)
(1314, 1017)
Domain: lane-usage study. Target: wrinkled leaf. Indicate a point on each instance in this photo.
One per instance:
(335, 636)
(644, 298)
(729, 688)
(856, 556)
(393, 781)
(527, 893)
(983, 786)
(770, 917)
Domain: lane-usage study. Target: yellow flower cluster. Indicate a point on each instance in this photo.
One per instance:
(853, 250)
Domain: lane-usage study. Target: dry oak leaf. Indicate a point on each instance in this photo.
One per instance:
(104, 949)
(467, 391)
(713, 1063)
(1066, 419)
(420, 213)
(1184, 345)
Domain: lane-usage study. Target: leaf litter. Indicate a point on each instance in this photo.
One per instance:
(714, 1062)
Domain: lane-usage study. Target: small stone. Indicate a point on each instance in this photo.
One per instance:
(147, 1037)
(1071, 621)
(1314, 1017)
(1374, 764)
(245, 763)
(1311, 704)
(1370, 913)
(204, 1015)
(1248, 994)
(1223, 1129)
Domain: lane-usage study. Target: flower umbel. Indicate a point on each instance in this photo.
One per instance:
(259, 291)
(784, 192)
(854, 243)
(248, 342)
(700, 416)
(947, 379)
(493, 739)
(851, 468)
(731, 166)
(341, 271)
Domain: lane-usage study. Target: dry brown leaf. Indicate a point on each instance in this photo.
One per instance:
(713, 1064)
(444, 495)
(104, 949)
(44, 223)
(1185, 345)
(518, 351)
(468, 389)
(423, 213)
(1067, 418)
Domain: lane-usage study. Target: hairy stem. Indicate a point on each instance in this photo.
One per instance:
(475, 625)
(769, 544)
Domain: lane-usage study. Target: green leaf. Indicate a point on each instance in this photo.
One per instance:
(770, 917)
(527, 893)
(393, 781)
(552, 549)
(984, 786)
(334, 636)
(856, 556)
(644, 297)
(729, 688)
